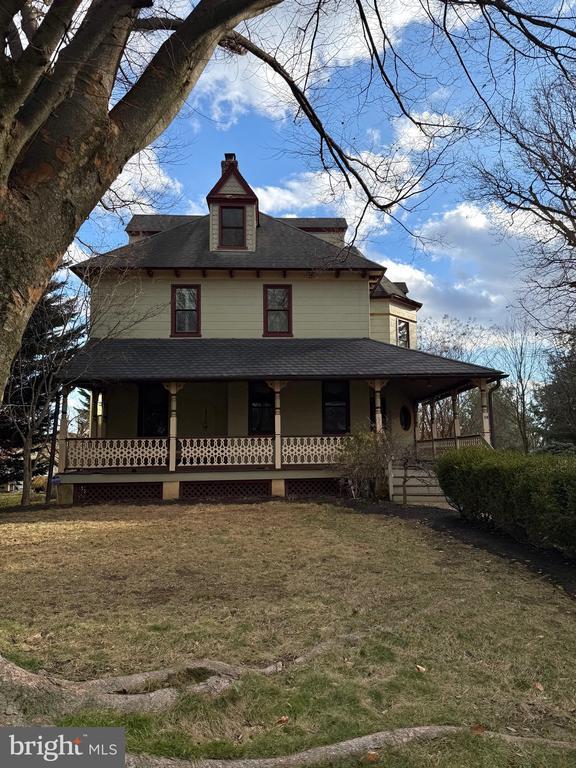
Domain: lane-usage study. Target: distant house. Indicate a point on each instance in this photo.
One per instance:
(233, 352)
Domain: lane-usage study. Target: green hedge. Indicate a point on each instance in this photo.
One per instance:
(530, 496)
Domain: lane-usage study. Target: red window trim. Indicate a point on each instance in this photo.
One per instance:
(231, 247)
(265, 294)
(173, 331)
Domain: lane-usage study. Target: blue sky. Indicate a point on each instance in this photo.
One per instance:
(468, 269)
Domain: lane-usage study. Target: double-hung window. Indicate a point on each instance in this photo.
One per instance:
(402, 333)
(260, 409)
(335, 407)
(185, 310)
(277, 310)
(232, 226)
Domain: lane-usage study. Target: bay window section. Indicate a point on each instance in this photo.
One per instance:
(185, 310)
(277, 310)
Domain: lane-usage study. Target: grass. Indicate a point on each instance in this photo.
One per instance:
(108, 590)
(10, 500)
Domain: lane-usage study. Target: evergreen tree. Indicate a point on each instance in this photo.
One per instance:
(555, 403)
(51, 337)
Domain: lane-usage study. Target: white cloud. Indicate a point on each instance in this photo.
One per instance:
(143, 186)
(473, 265)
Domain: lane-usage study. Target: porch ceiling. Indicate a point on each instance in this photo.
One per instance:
(424, 375)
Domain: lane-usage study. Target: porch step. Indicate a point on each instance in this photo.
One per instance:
(420, 484)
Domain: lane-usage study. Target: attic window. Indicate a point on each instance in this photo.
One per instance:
(232, 227)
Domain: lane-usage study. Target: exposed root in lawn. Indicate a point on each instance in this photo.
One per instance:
(354, 748)
(22, 691)
(142, 692)
(152, 691)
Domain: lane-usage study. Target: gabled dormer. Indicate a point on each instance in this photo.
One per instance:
(233, 210)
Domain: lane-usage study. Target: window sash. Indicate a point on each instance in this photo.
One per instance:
(232, 233)
(185, 310)
(277, 310)
(260, 409)
(335, 407)
(403, 333)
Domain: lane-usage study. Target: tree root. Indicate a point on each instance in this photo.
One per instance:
(152, 691)
(353, 748)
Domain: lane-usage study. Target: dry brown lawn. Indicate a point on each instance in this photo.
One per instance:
(101, 590)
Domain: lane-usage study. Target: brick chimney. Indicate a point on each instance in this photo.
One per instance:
(229, 161)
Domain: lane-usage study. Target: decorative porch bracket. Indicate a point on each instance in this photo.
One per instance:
(173, 388)
(378, 385)
(277, 386)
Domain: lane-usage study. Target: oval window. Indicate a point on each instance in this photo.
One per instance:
(405, 418)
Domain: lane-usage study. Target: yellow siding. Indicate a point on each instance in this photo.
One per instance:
(202, 409)
(237, 408)
(121, 410)
(395, 399)
(139, 307)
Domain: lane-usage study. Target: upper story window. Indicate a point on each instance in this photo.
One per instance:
(232, 226)
(403, 333)
(335, 407)
(185, 310)
(277, 310)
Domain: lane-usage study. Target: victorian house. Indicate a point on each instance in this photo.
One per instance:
(231, 354)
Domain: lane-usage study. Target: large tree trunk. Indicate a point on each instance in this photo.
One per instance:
(34, 234)
(75, 147)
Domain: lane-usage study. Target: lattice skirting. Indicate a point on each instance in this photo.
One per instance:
(225, 489)
(308, 487)
(113, 493)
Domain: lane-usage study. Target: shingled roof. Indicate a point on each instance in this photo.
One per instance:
(386, 289)
(155, 222)
(252, 359)
(279, 245)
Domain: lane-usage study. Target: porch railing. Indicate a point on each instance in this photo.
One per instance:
(321, 449)
(109, 453)
(225, 451)
(199, 452)
(432, 448)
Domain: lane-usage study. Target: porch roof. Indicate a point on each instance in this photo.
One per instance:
(251, 359)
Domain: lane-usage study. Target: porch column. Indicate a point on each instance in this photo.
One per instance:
(93, 427)
(483, 387)
(456, 418)
(63, 432)
(100, 415)
(277, 386)
(433, 431)
(173, 388)
(378, 385)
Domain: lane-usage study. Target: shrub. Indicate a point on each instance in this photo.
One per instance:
(534, 496)
(363, 462)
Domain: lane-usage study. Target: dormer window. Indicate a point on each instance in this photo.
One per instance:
(232, 226)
